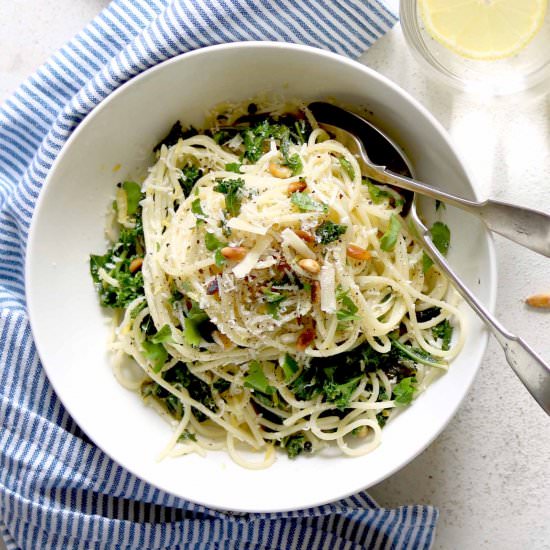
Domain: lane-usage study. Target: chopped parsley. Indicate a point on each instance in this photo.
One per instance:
(289, 366)
(197, 210)
(403, 392)
(233, 167)
(443, 331)
(194, 323)
(441, 237)
(306, 203)
(213, 244)
(273, 301)
(154, 350)
(257, 380)
(133, 196)
(329, 231)
(189, 176)
(347, 167)
(389, 238)
(377, 194)
(347, 310)
(232, 189)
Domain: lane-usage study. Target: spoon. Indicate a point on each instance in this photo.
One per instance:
(527, 227)
(526, 363)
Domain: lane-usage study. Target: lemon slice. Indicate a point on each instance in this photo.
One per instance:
(483, 29)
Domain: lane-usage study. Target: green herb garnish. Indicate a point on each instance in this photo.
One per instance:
(233, 167)
(347, 167)
(441, 237)
(289, 366)
(329, 231)
(133, 196)
(348, 310)
(389, 238)
(232, 189)
(257, 380)
(444, 331)
(196, 208)
(377, 194)
(403, 393)
(273, 301)
(307, 204)
(189, 176)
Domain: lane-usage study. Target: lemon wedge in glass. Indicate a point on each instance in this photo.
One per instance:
(483, 29)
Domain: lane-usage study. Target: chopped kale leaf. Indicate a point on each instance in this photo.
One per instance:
(295, 444)
(403, 392)
(116, 264)
(189, 176)
(444, 331)
(176, 133)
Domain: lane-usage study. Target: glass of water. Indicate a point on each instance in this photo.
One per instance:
(457, 48)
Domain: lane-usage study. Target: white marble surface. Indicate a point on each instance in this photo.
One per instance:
(488, 472)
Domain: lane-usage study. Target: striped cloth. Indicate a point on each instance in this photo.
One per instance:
(57, 490)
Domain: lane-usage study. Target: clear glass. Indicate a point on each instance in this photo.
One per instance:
(529, 67)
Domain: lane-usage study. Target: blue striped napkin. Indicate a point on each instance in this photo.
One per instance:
(57, 490)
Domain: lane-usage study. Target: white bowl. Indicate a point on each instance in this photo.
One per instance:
(71, 330)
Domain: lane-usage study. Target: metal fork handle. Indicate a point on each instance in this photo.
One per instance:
(527, 227)
(525, 362)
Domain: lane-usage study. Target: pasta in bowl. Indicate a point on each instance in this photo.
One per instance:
(114, 145)
(272, 296)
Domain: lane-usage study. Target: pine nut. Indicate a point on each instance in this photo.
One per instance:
(305, 236)
(279, 171)
(295, 186)
(135, 264)
(357, 253)
(539, 300)
(311, 266)
(234, 252)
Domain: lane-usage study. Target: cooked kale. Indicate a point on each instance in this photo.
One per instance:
(180, 377)
(295, 445)
(286, 131)
(116, 263)
(189, 176)
(176, 133)
(444, 330)
(403, 392)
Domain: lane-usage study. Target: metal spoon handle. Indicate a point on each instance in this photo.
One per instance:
(528, 365)
(527, 227)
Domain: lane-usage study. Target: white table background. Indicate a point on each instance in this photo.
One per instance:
(488, 472)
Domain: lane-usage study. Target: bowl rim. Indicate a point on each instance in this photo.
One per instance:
(291, 48)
